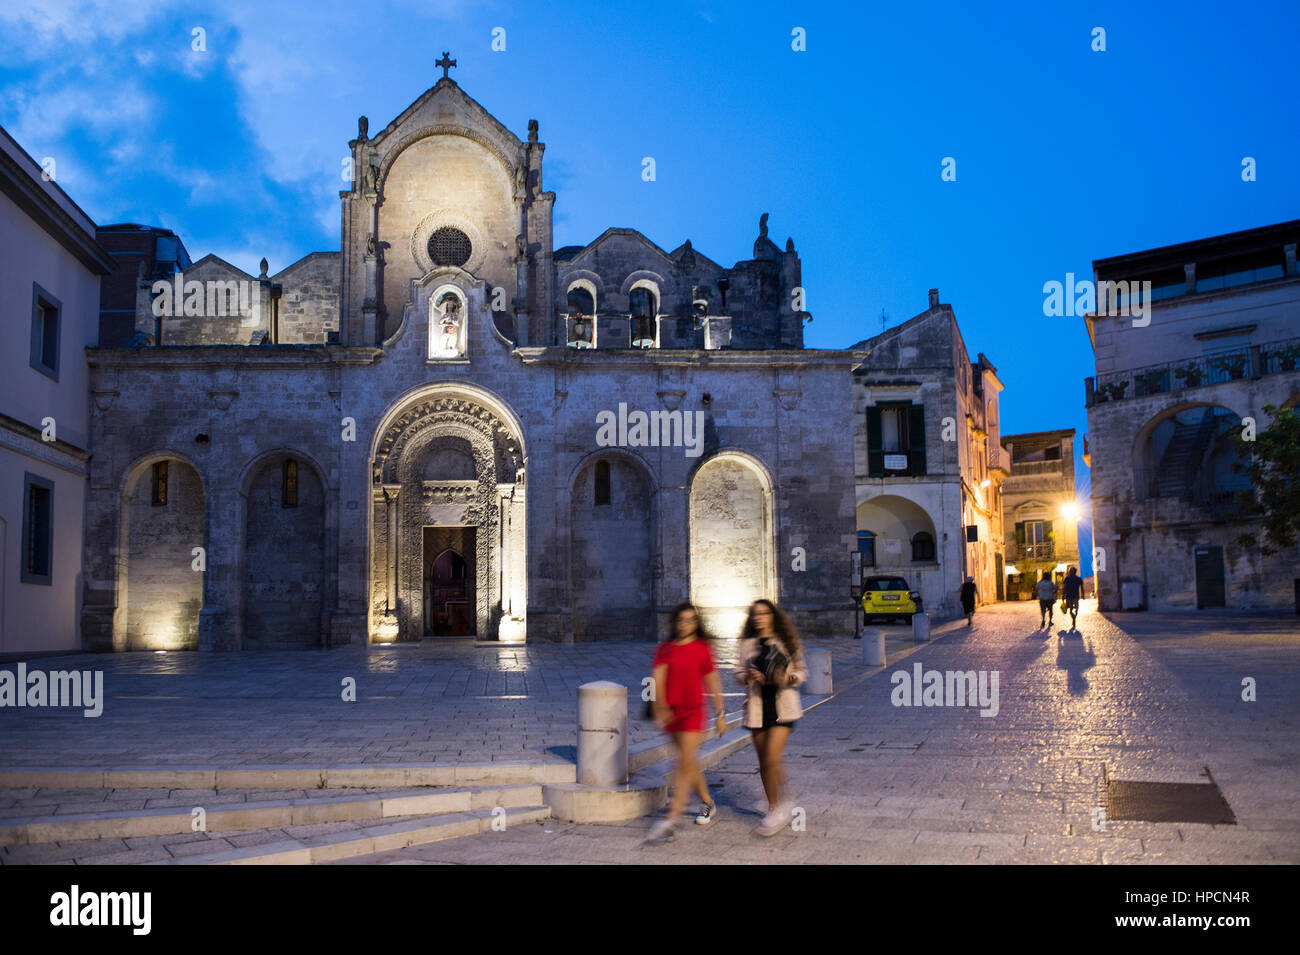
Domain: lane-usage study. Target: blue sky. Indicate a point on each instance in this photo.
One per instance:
(1063, 154)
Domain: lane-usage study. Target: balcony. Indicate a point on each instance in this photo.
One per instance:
(1252, 362)
(1000, 460)
(1031, 468)
(1043, 550)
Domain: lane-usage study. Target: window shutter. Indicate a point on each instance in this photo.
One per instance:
(1047, 530)
(916, 440)
(875, 443)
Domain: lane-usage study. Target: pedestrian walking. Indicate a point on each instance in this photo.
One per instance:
(968, 594)
(1046, 591)
(683, 668)
(771, 666)
(1072, 589)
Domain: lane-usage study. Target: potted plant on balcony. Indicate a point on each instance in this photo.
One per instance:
(1233, 365)
(1192, 374)
(1152, 383)
(1112, 390)
(1287, 357)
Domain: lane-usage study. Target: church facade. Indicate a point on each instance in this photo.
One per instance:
(452, 428)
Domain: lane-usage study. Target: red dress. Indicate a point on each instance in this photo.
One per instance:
(688, 664)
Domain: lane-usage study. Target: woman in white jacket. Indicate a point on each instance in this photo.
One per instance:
(771, 666)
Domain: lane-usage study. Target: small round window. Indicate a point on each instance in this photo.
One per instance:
(448, 246)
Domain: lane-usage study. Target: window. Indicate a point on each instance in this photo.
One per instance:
(45, 332)
(1053, 453)
(159, 497)
(1240, 270)
(38, 530)
(602, 482)
(448, 246)
(867, 548)
(642, 305)
(895, 440)
(289, 483)
(922, 547)
(582, 314)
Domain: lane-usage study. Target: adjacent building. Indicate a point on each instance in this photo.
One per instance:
(1039, 510)
(1173, 529)
(928, 460)
(50, 270)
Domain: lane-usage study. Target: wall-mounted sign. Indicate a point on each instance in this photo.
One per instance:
(895, 462)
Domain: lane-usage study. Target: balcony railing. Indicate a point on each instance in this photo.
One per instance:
(1196, 488)
(1043, 550)
(1251, 362)
(1026, 468)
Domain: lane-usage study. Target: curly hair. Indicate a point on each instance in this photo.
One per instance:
(700, 632)
(782, 626)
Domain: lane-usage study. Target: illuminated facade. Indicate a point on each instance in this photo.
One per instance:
(399, 441)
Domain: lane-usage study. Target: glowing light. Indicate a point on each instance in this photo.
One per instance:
(160, 651)
(1070, 511)
(985, 483)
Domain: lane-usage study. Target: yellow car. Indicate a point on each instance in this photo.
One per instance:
(886, 598)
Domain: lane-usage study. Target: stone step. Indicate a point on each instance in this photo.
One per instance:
(368, 841)
(379, 776)
(271, 814)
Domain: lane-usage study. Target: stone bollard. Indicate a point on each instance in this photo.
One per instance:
(920, 627)
(873, 647)
(819, 672)
(602, 734)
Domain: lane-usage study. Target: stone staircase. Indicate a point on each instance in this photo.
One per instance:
(1182, 457)
(243, 827)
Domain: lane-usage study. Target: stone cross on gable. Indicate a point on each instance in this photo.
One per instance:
(446, 63)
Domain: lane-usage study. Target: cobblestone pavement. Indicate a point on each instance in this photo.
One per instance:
(1148, 697)
(425, 703)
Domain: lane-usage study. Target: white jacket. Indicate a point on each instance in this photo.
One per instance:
(788, 705)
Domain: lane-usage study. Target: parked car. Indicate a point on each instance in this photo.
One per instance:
(889, 598)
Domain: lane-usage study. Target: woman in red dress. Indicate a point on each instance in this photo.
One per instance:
(683, 667)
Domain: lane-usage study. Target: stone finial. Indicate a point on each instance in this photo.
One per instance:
(264, 267)
(532, 130)
(789, 244)
(762, 226)
(363, 128)
(934, 298)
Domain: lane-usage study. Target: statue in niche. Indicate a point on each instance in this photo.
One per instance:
(447, 341)
(370, 244)
(371, 178)
(521, 248)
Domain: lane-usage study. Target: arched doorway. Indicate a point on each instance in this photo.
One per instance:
(448, 479)
(448, 588)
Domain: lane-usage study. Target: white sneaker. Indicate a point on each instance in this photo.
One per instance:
(775, 821)
(661, 831)
(708, 814)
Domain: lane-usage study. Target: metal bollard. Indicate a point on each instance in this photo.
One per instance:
(873, 647)
(819, 672)
(920, 627)
(602, 734)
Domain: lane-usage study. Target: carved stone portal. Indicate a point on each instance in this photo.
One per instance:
(414, 490)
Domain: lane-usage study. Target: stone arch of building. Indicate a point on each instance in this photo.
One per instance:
(614, 562)
(1154, 475)
(285, 554)
(159, 591)
(895, 521)
(485, 513)
(510, 166)
(731, 537)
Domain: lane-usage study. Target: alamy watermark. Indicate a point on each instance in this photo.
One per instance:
(74, 688)
(946, 688)
(654, 429)
(1083, 298)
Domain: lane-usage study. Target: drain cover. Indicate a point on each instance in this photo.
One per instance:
(1168, 802)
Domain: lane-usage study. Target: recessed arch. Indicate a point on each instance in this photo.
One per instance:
(163, 554)
(731, 539)
(612, 543)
